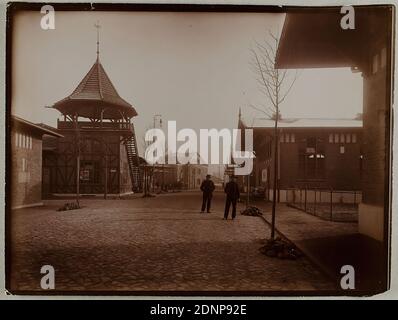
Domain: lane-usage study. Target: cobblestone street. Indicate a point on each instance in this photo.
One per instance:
(151, 244)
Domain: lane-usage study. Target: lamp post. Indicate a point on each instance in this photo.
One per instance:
(155, 117)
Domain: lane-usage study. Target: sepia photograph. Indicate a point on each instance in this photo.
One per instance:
(197, 150)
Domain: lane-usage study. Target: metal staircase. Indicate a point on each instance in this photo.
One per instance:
(134, 161)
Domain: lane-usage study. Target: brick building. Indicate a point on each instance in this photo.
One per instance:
(318, 41)
(26, 162)
(313, 153)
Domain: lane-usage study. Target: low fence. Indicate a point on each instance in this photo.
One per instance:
(330, 205)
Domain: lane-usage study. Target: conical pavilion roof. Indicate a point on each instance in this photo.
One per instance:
(94, 95)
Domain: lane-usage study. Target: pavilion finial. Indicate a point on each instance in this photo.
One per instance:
(98, 26)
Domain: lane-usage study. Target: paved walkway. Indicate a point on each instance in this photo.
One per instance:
(150, 245)
(331, 245)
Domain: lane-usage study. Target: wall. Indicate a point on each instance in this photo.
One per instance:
(26, 169)
(376, 115)
(61, 163)
(342, 171)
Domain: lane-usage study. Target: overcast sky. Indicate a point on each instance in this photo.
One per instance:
(189, 67)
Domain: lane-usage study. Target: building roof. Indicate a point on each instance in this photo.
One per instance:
(307, 123)
(17, 122)
(94, 95)
(314, 38)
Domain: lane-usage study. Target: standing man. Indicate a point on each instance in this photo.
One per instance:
(232, 191)
(207, 188)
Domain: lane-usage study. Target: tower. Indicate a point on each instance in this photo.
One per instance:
(98, 154)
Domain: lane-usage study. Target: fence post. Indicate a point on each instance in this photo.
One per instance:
(315, 202)
(301, 200)
(331, 204)
(305, 199)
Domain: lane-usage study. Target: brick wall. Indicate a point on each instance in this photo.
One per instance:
(341, 170)
(26, 169)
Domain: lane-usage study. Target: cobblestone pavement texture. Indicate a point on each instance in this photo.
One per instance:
(150, 244)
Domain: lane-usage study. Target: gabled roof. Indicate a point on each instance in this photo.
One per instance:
(96, 94)
(19, 123)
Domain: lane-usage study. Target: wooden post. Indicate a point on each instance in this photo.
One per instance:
(331, 205)
(301, 198)
(315, 202)
(106, 177)
(305, 199)
(76, 120)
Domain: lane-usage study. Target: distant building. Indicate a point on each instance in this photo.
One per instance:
(192, 175)
(177, 176)
(313, 153)
(26, 162)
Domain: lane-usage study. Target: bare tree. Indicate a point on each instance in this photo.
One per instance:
(275, 84)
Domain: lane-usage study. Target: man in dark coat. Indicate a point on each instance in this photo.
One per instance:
(207, 188)
(232, 191)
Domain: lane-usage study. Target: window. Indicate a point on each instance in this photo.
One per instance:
(336, 138)
(342, 149)
(330, 137)
(287, 138)
(354, 138)
(315, 166)
(24, 165)
(89, 172)
(342, 138)
(348, 138)
(311, 142)
(312, 159)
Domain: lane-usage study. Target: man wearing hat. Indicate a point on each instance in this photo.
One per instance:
(207, 188)
(232, 191)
